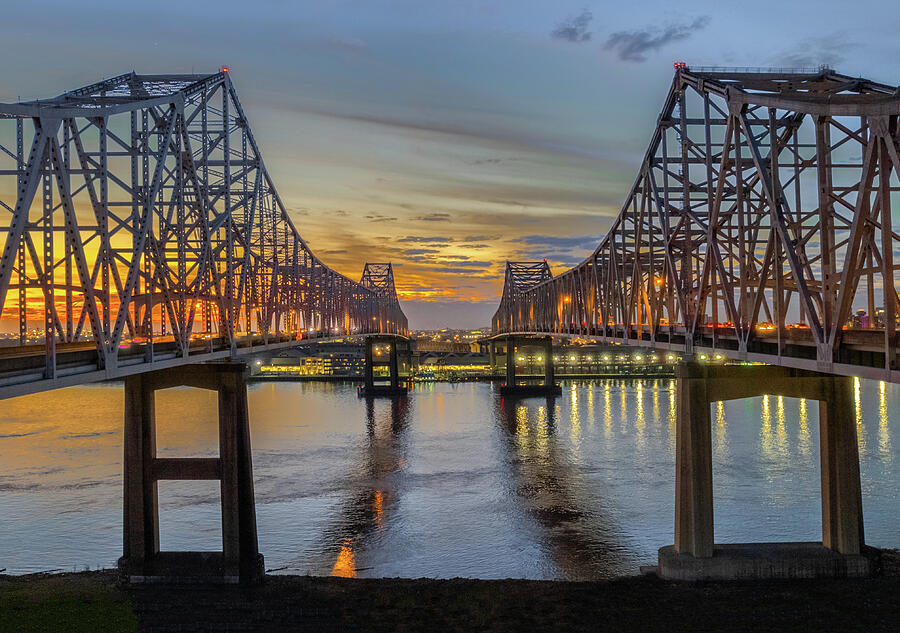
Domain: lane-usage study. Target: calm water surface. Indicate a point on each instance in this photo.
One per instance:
(452, 482)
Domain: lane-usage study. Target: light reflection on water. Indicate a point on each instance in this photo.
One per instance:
(452, 481)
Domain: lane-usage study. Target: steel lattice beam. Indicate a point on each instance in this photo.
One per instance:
(140, 228)
(760, 219)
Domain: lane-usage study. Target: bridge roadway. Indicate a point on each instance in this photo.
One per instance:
(23, 368)
(861, 350)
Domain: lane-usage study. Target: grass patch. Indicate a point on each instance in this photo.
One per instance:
(82, 602)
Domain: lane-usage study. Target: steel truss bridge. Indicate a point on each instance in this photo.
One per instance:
(759, 222)
(141, 230)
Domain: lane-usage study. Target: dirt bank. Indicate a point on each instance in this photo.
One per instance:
(92, 601)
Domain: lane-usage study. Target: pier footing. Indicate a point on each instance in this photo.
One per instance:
(763, 561)
(239, 561)
(515, 389)
(523, 391)
(397, 347)
(388, 391)
(695, 555)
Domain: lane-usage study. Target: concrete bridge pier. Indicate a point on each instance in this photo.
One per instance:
(142, 561)
(396, 349)
(512, 387)
(694, 555)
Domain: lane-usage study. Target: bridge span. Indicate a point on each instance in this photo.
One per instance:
(141, 230)
(759, 222)
(142, 237)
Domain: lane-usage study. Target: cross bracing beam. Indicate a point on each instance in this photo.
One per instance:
(140, 228)
(758, 226)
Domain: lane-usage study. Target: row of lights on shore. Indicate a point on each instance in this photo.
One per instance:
(637, 358)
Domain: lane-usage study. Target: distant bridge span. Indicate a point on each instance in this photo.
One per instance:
(759, 222)
(140, 230)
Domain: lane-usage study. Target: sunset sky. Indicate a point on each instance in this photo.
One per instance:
(446, 137)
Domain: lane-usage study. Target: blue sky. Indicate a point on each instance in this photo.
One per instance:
(446, 137)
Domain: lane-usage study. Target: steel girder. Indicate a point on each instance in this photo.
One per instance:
(379, 279)
(760, 219)
(138, 220)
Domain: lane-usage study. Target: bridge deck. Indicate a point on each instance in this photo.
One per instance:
(862, 352)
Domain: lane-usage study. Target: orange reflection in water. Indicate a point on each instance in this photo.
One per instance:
(378, 507)
(345, 565)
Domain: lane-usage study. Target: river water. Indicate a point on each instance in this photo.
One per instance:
(453, 481)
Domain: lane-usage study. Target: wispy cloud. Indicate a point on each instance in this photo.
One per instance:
(460, 270)
(352, 43)
(420, 251)
(559, 251)
(633, 46)
(377, 217)
(435, 217)
(471, 263)
(830, 49)
(425, 239)
(574, 28)
(553, 242)
(480, 238)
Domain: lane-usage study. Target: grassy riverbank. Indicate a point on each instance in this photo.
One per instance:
(91, 601)
(85, 602)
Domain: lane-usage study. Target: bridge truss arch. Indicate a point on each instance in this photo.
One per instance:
(759, 222)
(140, 228)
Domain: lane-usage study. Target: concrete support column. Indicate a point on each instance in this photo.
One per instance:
(548, 362)
(842, 518)
(369, 369)
(141, 519)
(510, 362)
(394, 365)
(240, 545)
(693, 469)
(492, 353)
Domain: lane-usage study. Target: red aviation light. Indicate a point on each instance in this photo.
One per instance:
(680, 65)
(225, 69)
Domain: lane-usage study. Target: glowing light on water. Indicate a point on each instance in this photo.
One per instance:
(639, 421)
(804, 445)
(860, 429)
(766, 430)
(781, 439)
(607, 409)
(884, 436)
(345, 565)
(673, 412)
(721, 439)
(521, 423)
(655, 400)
